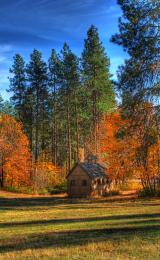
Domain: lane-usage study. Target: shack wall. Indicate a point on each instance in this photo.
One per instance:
(79, 183)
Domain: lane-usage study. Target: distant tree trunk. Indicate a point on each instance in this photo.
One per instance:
(54, 142)
(55, 126)
(95, 121)
(77, 137)
(31, 131)
(43, 154)
(95, 113)
(69, 148)
(37, 126)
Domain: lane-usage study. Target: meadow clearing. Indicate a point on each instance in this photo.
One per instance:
(46, 227)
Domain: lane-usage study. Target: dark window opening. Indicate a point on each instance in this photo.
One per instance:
(84, 183)
(73, 182)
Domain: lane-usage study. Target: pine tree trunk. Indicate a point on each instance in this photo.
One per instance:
(43, 135)
(77, 139)
(55, 129)
(37, 126)
(95, 121)
(95, 113)
(77, 130)
(69, 149)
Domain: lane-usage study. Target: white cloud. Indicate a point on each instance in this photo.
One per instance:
(4, 74)
(5, 51)
(5, 48)
(4, 70)
(2, 59)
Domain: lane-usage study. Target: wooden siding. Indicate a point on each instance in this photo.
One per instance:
(78, 190)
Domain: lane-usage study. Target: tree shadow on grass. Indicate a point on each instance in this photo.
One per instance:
(149, 217)
(39, 202)
(75, 238)
(30, 202)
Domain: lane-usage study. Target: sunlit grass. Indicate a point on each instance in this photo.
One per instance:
(58, 228)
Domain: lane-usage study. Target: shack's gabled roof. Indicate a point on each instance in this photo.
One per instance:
(94, 170)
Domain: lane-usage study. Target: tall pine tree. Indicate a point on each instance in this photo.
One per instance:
(140, 36)
(139, 78)
(18, 85)
(69, 99)
(38, 98)
(97, 81)
(54, 77)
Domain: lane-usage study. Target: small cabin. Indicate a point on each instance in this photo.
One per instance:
(88, 179)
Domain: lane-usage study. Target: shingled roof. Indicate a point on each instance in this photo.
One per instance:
(94, 170)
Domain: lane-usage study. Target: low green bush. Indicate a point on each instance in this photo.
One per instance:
(57, 189)
(147, 193)
(26, 190)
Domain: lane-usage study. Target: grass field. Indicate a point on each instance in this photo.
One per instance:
(59, 228)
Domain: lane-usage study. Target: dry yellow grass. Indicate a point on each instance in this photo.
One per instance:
(45, 227)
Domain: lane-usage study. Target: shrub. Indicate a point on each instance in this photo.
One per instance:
(147, 193)
(57, 189)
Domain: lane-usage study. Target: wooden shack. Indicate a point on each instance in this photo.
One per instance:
(88, 179)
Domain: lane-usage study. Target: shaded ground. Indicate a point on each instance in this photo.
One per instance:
(55, 227)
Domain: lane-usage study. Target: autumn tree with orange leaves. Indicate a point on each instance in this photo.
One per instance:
(14, 153)
(117, 149)
(131, 150)
(147, 131)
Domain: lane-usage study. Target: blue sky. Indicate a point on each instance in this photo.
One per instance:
(47, 24)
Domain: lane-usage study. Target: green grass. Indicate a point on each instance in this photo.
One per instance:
(59, 228)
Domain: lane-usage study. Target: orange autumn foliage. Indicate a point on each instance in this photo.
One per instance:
(131, 150)
(147, 164)
(46, 174)
(14, 153)
(117, 149)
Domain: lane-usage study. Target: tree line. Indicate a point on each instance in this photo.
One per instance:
(62, 102)
(69, 103)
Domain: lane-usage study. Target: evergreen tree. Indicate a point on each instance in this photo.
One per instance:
(97, 81)
(140, 37)
(69, 105)
(54, 66)
(138, 79)
(38, 97)
(18, 85)
(62, 104)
